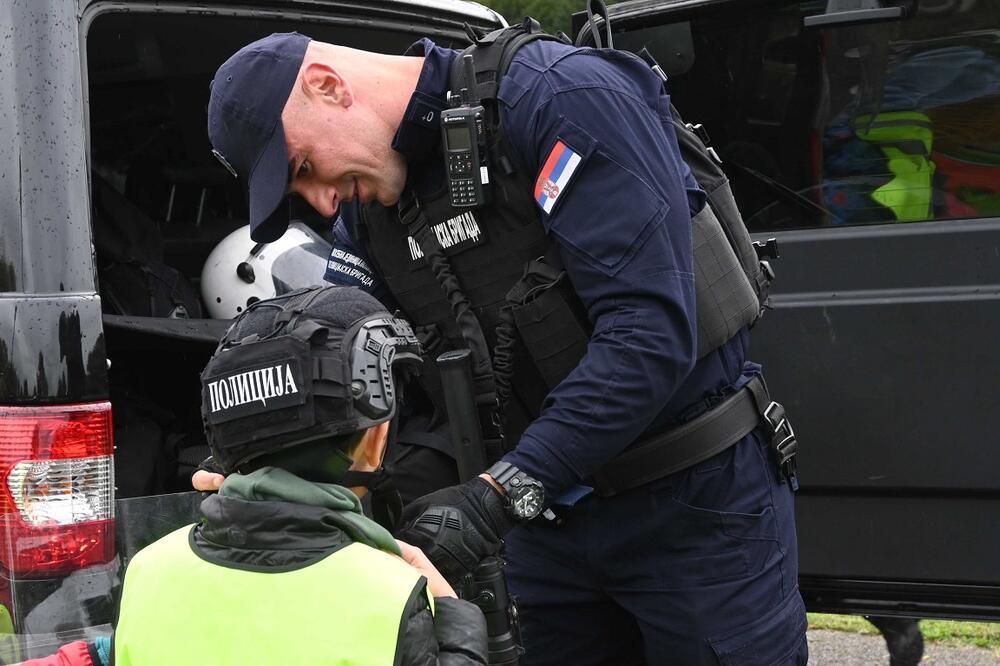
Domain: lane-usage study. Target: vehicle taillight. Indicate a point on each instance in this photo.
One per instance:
(56, 488)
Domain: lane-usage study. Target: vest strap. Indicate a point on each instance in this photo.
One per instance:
(471, 329)
(493, 54)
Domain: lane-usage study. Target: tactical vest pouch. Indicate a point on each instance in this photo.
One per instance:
(725, 299)
(730, 283)
(551, 330)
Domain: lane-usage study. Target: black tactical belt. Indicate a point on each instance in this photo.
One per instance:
(701, 438)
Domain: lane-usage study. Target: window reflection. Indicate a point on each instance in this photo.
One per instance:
(881, 123)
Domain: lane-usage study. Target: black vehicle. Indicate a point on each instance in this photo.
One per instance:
(878, 340)
(864, 136)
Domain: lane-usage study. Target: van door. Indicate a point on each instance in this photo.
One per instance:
(868, 144)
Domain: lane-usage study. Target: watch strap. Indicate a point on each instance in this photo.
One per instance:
(502, 472)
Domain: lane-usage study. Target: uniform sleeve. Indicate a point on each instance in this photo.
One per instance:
(348, 264)
(455, 635)
(621, 221)
(77, 653)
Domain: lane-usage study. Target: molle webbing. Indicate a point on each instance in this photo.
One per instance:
(492, 55)
(731, 286)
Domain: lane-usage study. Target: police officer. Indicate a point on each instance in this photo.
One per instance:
(296, 403)
(670, 562)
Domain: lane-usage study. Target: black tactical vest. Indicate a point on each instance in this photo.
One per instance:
(489, 279)
(486, 250)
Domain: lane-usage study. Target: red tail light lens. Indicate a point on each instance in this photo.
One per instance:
(56, 488)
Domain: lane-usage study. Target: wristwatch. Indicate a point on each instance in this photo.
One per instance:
(525, 495)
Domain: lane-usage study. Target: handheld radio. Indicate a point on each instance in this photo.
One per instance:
(464, 139)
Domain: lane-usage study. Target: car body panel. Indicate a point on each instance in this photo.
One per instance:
(51, 347)
(880, 338)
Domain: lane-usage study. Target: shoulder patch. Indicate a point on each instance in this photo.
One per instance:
(344, 267)
(555, 176)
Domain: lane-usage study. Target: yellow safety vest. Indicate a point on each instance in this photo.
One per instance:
(180, 609)
(905, 138)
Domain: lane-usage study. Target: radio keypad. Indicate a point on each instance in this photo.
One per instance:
(460, 164)
(463, 192)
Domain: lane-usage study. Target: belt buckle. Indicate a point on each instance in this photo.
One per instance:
(783, 439)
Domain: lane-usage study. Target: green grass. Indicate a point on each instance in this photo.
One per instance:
(978, 634)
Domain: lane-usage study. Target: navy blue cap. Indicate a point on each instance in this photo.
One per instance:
(244, 124)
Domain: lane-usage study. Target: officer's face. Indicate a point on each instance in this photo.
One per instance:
(338, 148)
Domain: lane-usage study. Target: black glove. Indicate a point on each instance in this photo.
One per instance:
(457, 526)
(208, 465)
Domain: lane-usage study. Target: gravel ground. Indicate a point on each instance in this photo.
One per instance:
(838, 648)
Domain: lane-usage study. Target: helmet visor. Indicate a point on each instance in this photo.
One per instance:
(300, 260)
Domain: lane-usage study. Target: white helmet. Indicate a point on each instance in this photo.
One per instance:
(240, 272)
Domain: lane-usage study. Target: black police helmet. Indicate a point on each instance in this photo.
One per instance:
(315, 363)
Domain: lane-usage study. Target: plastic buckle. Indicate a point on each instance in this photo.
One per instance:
(539, 267)
(700, 131)
(767, 270)
(783, 439)
(767, 249)
(409, 211)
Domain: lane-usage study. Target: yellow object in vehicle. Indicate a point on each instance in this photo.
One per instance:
(905, 138)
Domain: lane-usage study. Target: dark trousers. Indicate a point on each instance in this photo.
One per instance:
(700, 567)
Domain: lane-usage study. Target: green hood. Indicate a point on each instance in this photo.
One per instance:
(276, 484)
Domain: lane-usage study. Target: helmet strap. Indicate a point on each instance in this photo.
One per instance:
(386, 503)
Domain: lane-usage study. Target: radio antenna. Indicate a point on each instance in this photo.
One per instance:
(472, 92)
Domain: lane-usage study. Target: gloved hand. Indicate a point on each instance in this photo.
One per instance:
(457, 527)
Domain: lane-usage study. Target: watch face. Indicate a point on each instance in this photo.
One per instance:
(526, 503)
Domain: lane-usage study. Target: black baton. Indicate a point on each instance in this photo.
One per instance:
(486, 587)
(463, 419)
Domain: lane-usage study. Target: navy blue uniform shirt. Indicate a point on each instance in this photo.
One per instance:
(593, 129)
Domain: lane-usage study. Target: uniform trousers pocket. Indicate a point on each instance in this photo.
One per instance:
(777, 638)
(717, 520)
(709, 546)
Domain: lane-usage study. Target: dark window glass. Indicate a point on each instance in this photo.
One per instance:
(897, 121)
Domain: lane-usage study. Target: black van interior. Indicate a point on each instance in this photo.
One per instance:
(161, 203)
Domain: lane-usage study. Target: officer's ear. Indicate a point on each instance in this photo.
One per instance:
(321, 82)
(372, 446)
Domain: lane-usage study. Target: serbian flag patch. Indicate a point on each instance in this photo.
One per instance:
(555, 175)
